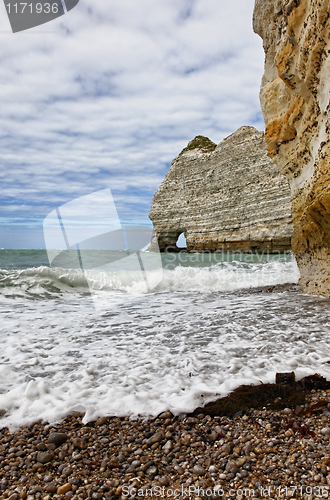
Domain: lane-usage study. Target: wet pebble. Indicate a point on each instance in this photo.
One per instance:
(165, 415)
(57, 438)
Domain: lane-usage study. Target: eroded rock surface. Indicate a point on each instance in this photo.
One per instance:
(225, 197)
(295, 102)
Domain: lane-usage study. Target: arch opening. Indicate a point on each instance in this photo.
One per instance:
(181, 241)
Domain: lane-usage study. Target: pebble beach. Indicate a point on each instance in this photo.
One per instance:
(259, 453)
(146, 361)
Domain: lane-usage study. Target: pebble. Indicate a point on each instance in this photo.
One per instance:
(45, 457)
(247, 449)
(79, 443)
(51, 488)
(168, 446)
(61, 490)
(197, 469)
(151, 471)
(101, 421)
(227, 448)
(57, 438)
(260, 447)
(158, 436)
(231, 467)
(165, 415)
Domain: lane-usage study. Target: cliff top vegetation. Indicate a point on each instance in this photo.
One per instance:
(200, 142)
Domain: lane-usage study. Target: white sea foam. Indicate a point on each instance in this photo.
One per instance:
(195, 337)
(228, 276)
(224, 276)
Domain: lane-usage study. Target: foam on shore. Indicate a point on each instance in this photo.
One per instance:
(173, 349)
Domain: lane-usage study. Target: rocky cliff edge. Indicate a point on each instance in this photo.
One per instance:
(294, 96)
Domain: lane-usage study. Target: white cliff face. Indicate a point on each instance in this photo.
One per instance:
(225, 197)
(294, 95)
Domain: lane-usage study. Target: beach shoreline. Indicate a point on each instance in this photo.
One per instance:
(282, 451)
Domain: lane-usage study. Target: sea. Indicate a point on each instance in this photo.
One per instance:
(104, 344)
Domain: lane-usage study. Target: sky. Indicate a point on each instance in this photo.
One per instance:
(108, 94)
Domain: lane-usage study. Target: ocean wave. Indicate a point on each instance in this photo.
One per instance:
(42, 282)
(224, 276)
(229, 276)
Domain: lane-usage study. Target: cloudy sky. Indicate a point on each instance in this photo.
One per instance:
(108, 94)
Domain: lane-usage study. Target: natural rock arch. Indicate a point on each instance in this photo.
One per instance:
(225, 197)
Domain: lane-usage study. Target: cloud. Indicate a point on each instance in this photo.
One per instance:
(114, 91)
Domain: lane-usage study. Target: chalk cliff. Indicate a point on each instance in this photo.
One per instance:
(223, 198)
(295, 101)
